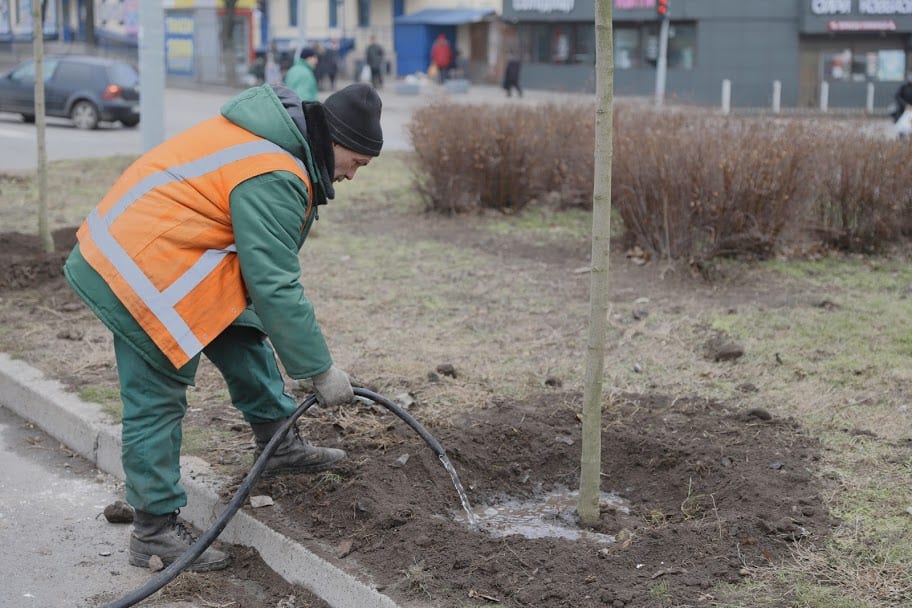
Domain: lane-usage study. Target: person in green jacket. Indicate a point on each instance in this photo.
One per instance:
(301, 77)
(270, 215)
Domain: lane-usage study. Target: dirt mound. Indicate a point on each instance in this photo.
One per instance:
(26, 264)
(708, 493)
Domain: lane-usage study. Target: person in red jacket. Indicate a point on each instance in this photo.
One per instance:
(441, 56)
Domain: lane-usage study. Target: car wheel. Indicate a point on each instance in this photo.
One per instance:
(130, 122)
(29, 118)
(84, 115)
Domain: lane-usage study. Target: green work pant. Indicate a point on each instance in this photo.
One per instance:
(154, 407)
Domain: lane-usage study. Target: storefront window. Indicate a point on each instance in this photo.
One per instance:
(561, 43)
(848, 65)
(626, 48)
(638, 46)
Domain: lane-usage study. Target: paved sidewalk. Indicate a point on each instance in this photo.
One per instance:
(57, 548)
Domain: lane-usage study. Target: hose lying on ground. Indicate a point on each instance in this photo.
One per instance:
(202, 543)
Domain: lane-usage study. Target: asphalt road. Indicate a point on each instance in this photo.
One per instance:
(185, 107)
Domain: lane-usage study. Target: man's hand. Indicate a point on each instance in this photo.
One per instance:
(333, 387)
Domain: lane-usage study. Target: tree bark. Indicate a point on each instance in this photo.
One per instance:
(590, 460)
(44, 231)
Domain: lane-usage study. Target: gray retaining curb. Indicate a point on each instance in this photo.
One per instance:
(83, 428)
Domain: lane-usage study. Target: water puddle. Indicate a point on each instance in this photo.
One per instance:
(549, 516)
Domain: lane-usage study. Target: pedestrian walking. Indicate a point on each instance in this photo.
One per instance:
(301, 77)
(511, 75)
(374, 57)
(441, 56)
(194, 251)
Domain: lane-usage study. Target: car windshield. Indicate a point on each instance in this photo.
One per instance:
(26, 72)
(123, 74)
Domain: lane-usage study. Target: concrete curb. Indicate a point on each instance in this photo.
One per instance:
(83, 428)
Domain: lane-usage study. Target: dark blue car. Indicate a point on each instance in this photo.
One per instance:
(86, 90)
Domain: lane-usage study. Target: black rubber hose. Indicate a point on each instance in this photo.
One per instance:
(202, 543)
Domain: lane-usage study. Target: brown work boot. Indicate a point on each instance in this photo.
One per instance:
(294, 455)
(168, 538)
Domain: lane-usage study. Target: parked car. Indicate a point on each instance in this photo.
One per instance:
(86, 90)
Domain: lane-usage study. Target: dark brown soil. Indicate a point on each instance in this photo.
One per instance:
(711, 493)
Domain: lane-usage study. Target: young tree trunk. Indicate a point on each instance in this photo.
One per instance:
(44, 230)
(590, 460)
(227, 37)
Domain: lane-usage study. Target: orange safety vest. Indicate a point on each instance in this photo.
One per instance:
(162, 237)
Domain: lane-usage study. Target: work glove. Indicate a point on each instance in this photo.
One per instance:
(333, 387)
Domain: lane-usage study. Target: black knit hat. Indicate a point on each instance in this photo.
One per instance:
(353, 114)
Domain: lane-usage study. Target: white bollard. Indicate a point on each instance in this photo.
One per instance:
(726, 96)
(777, 96)
(869, 102)
(824, 96)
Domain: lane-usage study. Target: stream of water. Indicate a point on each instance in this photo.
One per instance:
(473, 520)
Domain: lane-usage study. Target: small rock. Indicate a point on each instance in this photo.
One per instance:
(747, 387)
(759, 413)
(725, 462)
(446, 369)
(728, 352)
(404, 400)
(400, 462)
(637, 368)
(433, 377)
(119, 512)
(639, 315)
(261, 501)
(553, 382)
(104, 553)
(345, 548)
(566, 439)
(776, 466)
(156, 564)
(70, 334)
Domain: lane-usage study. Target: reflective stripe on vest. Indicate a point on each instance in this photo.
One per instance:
(162, 303)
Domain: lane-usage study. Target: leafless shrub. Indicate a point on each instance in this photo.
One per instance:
(686, 185)
(472, 156)
(700, 187)
(863, 194)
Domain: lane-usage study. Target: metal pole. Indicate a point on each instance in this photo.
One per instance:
(726, 96)
(869, 101)
(662, 62)
(302, 24)
(824, 96)
(777, 96)
(152, 72)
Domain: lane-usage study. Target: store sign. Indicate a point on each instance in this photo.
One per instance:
(544, 6)
(861, 26)
(865, 7)
(179, 47)
(831, 7)
(633, 4)
(885, 7)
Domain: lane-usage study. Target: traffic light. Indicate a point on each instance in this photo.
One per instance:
(662, 9)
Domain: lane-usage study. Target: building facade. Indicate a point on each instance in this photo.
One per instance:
(854, 46)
